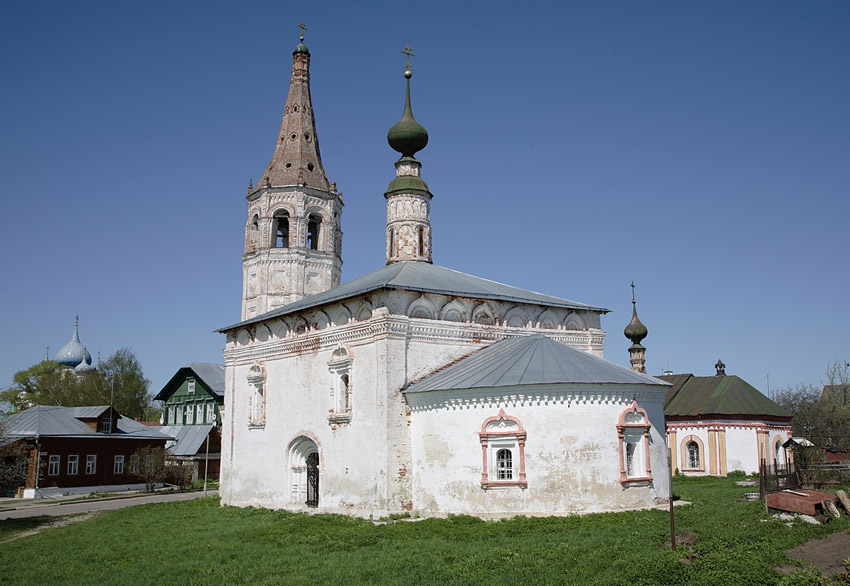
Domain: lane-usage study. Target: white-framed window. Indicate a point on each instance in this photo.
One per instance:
(105, 424)
(179, 420)
(341, 391)
(210, 412)
(134, 464)
(199, 413)
(171, 420)
(633, 433)
(504, 464)
(190, 414)
(53, 465)
(73, 464)
(190, 386)
(257, 396)
(502, 440)
(91, 464)
(118, 465)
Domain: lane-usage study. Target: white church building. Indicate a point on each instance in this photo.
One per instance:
(415, 388)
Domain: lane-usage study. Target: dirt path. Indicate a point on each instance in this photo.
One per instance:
(825, 554)
(61, 522)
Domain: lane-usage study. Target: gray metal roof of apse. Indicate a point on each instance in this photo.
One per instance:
(426, 278)
(529, 360)
(50, 420)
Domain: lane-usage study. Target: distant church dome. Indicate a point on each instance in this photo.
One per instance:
(85, 366)
(73, 353)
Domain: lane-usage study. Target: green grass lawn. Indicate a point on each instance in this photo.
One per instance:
(198, 542)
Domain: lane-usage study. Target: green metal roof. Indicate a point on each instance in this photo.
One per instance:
(730, 396)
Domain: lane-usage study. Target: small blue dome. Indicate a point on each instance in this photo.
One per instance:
(73, 353)
(85, 366)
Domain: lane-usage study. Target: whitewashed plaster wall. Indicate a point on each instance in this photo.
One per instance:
(741, 441)
(365, 464)
(572, 460)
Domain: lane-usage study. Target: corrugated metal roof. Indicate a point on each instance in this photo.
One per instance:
(211, 375)
(188, 438)
(528, 360)
(50, 420)
(720, 395)
(426, 278)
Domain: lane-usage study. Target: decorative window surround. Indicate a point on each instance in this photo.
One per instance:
(686, 462)
(257, 399)
(633, 445)
(502, 440)
(341, 392)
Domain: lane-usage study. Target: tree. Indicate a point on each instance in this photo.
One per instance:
(151, 466)
(822, 414)
(13, 463)
(119, 379)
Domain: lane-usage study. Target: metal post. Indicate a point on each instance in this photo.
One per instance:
(672, 520)
(206, 463)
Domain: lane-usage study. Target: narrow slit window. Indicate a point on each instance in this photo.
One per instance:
(421, 241)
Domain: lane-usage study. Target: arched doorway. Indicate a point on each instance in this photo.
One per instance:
(304, 472)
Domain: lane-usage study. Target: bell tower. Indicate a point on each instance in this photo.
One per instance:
(293, 240)
(408, 198)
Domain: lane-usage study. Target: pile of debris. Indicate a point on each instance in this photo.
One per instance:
(809, 502)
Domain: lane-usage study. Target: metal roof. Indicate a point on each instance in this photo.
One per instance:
(188, 439)
(700, 396)
(528, 360)
(51, 420)
(211, 375)
(425, 278)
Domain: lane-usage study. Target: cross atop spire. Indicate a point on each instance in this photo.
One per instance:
(407, 51)
(303, 28)
(633, 291)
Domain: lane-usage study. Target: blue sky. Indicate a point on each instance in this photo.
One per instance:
(699, 149)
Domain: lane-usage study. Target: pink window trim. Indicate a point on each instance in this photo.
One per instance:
(621, 427)
(702, 454)
(484, 437)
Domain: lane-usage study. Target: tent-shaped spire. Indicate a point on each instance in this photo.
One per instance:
(296, 159)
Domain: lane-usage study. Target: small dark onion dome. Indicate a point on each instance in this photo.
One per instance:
(635, 331)
(407, 136)
(301, 48)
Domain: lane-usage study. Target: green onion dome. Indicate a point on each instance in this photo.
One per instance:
(635, 331)
(407, 136)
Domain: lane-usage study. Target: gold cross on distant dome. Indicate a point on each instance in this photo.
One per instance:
(303, 28)
(407, 51)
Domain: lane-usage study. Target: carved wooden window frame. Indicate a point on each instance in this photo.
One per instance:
(626, 431)
(492, 441)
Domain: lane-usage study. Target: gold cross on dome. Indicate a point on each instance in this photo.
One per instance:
(303, 28)
(407, 51)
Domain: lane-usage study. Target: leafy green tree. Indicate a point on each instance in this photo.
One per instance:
(151, 466)
(822, 414)
(13, 463)
(119, 379)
